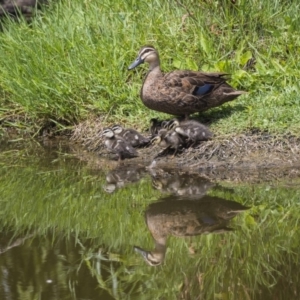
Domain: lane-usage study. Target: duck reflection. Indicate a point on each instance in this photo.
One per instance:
(187, 217)
(121, 176)
(181, 184)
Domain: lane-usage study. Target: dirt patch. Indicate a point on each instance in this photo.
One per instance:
(226, 157)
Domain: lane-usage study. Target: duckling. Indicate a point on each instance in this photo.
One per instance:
(192, 130)
(156, 125)
(117, 145)
(181, 92)
(131, 136)
(168, 139)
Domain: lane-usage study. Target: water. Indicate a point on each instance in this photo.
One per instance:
(72, 230)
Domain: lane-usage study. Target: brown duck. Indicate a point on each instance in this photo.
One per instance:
(181, 92)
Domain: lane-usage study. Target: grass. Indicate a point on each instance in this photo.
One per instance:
(70, 63)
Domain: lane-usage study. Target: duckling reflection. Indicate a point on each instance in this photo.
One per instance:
(181, 184)
(185, 218)
(121, 176)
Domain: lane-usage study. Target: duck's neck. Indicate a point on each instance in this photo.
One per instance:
(150, 81)
(153, 74)
(154, 64)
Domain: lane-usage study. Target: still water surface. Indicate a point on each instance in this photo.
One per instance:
(73, 231)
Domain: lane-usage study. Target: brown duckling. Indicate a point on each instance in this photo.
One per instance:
(168, 139)
(192, 130)
(181, 92)
(118, 145)
(156, 125)
(131, 136)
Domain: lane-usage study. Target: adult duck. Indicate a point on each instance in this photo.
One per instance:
(181, 92)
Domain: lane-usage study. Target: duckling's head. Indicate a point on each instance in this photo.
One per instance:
(155, 125)
(173, 124)
(165, 124)
(157, 184)
(117, 129)
(154, 122)
(146, 54)
(108, 132)
(156, 140)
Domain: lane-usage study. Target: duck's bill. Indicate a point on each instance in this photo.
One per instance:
(137, 62)
(140, 251)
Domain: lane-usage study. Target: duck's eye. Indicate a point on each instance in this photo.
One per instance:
(147, 50)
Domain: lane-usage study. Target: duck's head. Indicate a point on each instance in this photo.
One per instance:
(117, 129)
(146, 54)
(108, 132)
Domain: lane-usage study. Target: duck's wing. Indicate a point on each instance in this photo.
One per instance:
(193, 83)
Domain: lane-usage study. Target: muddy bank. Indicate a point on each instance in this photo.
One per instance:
(236, 157)
(244, 157)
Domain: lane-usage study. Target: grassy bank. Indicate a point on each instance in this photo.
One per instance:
(71, 62)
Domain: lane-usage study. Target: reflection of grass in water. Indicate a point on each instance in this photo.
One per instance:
(259, 257)
(70, 199)
(261, 252)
